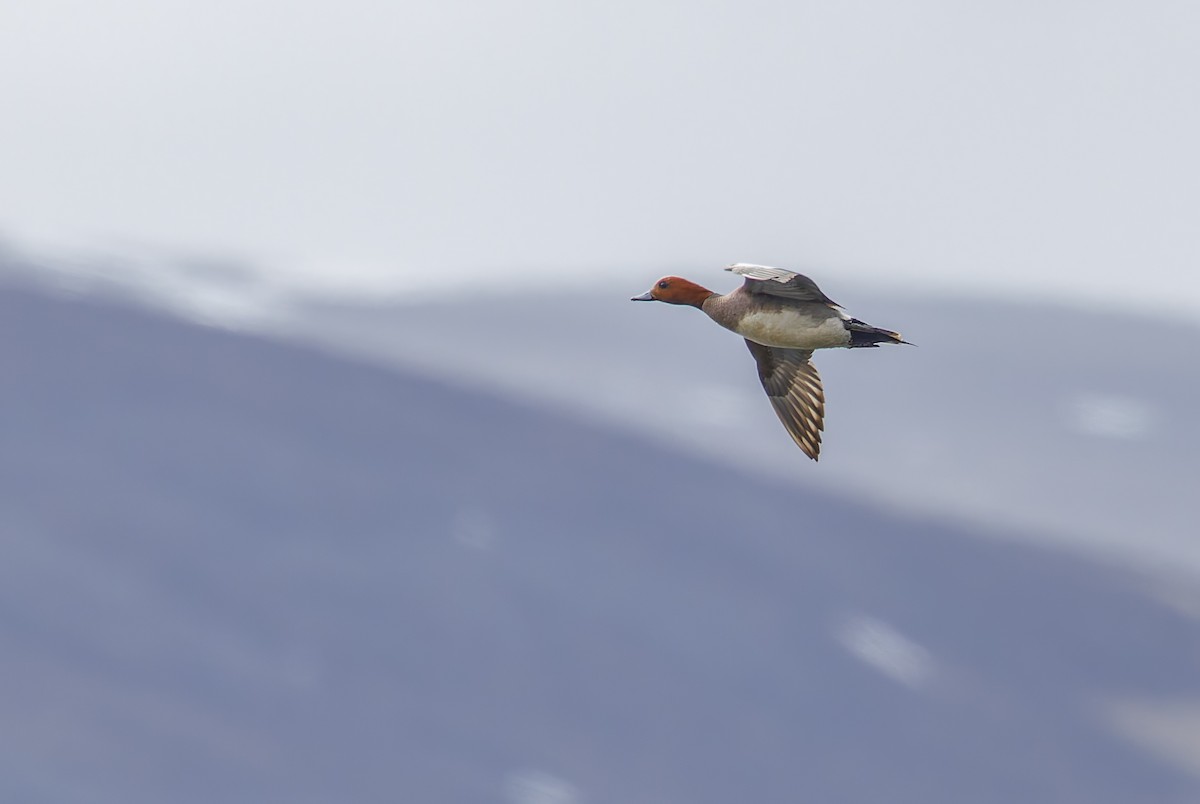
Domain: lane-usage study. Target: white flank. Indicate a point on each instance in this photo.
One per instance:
(793, 330)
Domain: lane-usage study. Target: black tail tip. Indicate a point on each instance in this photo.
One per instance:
(873, 337)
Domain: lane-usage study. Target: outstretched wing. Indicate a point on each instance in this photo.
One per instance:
(794, 388)
(778, 282)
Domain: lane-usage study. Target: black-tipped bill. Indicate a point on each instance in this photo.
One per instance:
(647, 296)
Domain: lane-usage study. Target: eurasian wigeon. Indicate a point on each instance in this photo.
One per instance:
(784, 317)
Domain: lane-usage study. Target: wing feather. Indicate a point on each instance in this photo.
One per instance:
(778, 282)
(794, 388)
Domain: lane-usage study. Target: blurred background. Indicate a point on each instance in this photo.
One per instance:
(337, 466)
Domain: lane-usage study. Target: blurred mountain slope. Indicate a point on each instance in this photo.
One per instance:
(237, 570)
(1078, 425)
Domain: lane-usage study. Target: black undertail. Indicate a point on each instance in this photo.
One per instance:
(864, 335)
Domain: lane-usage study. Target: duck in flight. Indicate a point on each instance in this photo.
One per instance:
(784, 317)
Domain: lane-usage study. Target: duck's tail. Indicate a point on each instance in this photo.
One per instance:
(863, 334)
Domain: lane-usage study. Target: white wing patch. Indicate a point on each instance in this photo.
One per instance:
(761, 272)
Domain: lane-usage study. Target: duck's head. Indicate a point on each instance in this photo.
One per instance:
(675, 290)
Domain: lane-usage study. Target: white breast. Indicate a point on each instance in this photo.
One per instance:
(790, 329)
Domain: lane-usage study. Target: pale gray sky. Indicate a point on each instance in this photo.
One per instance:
(1008, 146)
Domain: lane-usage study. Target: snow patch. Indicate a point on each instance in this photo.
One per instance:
(538, 787)
(885, 649)
(473, 528)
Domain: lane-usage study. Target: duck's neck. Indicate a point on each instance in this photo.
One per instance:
(699, 296)
(705, 302)
(724, 309)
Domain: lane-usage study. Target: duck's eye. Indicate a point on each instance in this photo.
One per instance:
(663, 284)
